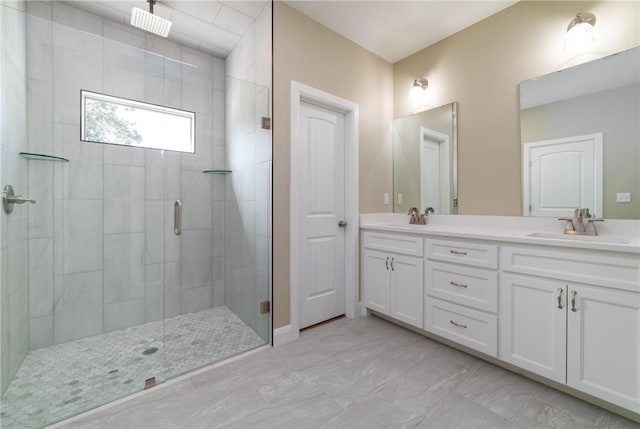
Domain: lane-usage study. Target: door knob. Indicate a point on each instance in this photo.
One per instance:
(342, 224)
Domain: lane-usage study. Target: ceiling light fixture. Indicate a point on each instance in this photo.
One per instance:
(580, 32)
(418, 91)
(150, 22)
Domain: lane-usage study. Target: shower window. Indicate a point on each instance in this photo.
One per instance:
(115, 120)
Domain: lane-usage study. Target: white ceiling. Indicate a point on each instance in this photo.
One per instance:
(397, 29)
(391, 29)
(210, 26)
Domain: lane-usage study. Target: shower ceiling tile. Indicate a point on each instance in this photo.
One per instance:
(251, 8)
(192, 20)
(202, 10)
(233, 21)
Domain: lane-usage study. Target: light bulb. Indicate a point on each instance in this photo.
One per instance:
(580, 35)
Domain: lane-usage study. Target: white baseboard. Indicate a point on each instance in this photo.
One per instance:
(283, 335)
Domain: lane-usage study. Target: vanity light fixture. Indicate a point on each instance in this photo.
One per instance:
(580, 32)
(417, 91)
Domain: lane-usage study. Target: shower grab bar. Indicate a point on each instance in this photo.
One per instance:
(177, 217)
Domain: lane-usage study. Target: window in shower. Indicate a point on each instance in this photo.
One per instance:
(115, 120)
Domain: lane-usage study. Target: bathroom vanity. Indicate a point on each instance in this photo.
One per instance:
(517, 292)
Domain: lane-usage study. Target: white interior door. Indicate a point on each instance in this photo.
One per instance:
(434, 171)
(430, 175)
(562, 175)
(322, 288)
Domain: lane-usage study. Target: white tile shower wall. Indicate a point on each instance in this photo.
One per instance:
(248, 150)
(14, 295)
(104, 255)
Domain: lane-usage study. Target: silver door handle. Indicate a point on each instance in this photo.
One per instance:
(459, 325)
(573, 300)
(342, 224)
(392, 267)
(560, 290)
(177, 217)
(457, 252)
(457, 284)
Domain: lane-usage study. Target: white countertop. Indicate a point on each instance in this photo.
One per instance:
(613, 235)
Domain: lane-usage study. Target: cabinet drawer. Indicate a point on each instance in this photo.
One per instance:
(474, 329)
(396, 243)
(616, 270)
(472, 287)
(462, 252)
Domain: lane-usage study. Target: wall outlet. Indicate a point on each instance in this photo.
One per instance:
(623, 197)
(386, 198)
(400, 199)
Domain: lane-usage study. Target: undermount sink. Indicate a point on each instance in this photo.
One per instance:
(401, 225)
(594, 238)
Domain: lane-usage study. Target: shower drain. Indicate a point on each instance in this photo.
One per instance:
(150, 351)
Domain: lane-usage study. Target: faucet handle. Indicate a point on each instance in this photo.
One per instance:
(428, 211)
(569, 225)
(413, 210)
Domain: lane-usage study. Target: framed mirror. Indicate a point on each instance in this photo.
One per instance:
(425, 164)
(580, 135)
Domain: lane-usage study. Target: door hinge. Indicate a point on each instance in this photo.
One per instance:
(265, 307)
(265, 123)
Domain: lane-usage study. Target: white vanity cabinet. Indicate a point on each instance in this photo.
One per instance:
(573, 316)
(392, 275)
(461, 292)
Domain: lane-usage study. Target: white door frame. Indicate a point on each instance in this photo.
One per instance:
(303, 93)
(598, 149)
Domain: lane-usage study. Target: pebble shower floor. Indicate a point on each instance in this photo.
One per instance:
(60, 381)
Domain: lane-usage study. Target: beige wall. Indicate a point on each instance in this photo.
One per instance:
(481, 67)
(305, 51)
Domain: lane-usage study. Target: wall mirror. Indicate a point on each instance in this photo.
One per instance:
(425, 161)
(580, 133)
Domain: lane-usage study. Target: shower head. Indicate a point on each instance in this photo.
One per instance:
(150, 22)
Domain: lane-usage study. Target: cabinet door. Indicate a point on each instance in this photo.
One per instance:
(533, 330)
(603, 348)
(407, 289)
(375, 280)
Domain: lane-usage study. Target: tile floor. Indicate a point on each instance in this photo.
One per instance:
(364, 373)
(57, 382)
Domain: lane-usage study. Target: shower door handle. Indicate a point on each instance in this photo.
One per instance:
(177, 217)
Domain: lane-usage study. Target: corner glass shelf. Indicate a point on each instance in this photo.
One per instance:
(216, 171)
(43, 157)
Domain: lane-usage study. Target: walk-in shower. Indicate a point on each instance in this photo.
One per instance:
(147, 252)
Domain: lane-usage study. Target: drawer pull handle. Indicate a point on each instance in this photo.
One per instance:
(392, 267)
(386, 262)
(573, 301)
(457, 284)
(458, 252)
(459, 325)
(560, 298)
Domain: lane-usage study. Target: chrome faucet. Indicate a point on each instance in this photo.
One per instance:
(576, 225)
(416, 217)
